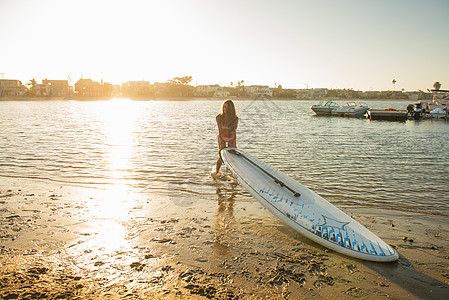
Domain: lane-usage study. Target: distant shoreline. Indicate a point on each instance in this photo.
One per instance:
(19, 98)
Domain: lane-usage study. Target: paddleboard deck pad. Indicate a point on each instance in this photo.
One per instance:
(305, 211)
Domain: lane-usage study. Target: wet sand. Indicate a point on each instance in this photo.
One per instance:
(61, 241)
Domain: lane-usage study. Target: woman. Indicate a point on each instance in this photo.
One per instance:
(227, 122)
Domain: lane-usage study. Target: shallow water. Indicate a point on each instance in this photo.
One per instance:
(169, 147)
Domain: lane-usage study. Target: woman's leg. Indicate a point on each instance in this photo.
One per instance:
(218, 165)
(221, 145)
(233, 143)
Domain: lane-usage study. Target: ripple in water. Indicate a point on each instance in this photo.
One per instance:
(160, 145)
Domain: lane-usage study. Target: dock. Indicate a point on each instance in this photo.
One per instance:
(391, 115)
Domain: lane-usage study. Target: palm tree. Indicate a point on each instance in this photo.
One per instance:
(33, 84)
(240, 88)
(394, 84)
(437, 86)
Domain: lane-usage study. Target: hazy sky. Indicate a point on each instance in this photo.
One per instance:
(360, 44)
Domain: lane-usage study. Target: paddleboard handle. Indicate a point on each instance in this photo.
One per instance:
(234, 151)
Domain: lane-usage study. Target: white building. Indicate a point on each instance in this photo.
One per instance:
(258, 91)
(318, 93)
(133, 88)
(303, 94)
(42, 89)
(56, 88)
(116, 90)
(206, 90)
(161, 89)
(221, 94)
(413, 96)
(12, 87)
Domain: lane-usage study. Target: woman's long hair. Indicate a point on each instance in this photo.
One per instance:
(228, 117)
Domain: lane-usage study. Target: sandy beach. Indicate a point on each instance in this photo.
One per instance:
(62, 241)
(198, 149)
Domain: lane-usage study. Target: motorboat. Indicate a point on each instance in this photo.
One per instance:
(351, 109)
(438, 113)
(324, 108)
(440, 100)
(417, 111)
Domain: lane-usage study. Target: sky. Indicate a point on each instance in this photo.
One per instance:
(358, 44)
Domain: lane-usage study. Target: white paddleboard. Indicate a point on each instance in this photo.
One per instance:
(305, 211)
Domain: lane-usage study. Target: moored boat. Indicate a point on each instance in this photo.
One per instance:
(417, 111)
(324, 108)
(438, 113)
(440, 100)
(351, 109)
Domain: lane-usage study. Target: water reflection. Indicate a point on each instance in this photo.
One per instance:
(113, 203)
(149, 144)
(110, 207)
(224, 216)
(120, 117)
(109, 214)
(110, 236)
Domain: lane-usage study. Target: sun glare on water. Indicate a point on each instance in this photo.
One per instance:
(120, 117)
(110, 208)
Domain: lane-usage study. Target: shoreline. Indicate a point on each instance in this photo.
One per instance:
(84, 241)
(88, 99)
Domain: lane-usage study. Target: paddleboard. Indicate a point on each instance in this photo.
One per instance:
(304, 210)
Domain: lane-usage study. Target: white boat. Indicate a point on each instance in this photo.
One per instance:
(440, 100)
(438, 113)
(351, 109)
(324, 108)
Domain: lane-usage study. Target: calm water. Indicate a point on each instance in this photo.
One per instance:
(170, 146)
